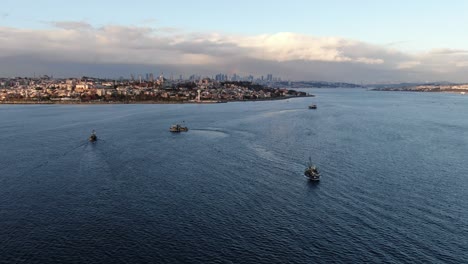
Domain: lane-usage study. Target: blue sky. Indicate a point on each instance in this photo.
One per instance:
(423, 36)
(414, 25)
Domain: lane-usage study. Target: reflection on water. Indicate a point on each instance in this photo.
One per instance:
(232, 188)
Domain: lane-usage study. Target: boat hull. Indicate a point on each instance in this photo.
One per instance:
(178, 129)
(312, 175)
(313, 178)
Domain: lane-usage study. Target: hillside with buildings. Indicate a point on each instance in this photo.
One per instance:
(87, 89)
(431, 87)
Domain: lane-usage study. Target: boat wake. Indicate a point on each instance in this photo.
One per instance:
(54, 158)
(90, 161)
(211, 132)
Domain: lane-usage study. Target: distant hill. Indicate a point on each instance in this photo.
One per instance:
(406, 85)
(423, 87)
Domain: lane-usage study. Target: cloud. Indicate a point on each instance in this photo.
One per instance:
(71, 25)
(169, 29)
(462, 64)
(290, 55)
(4, 15)
(408, 64)
(448, 51)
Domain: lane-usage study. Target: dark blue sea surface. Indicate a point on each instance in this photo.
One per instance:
(394, 185)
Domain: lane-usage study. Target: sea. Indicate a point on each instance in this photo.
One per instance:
(393, 188)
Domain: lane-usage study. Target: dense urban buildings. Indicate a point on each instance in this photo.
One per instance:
(221, 88)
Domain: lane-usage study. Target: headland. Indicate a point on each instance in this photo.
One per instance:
(87, 90)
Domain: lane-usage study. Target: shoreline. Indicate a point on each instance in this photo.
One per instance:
(31, 102)
(462, 92)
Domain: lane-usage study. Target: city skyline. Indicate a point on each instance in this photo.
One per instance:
(304, 40)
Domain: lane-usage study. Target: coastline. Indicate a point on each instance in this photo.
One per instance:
(462, 92)
(31, 102)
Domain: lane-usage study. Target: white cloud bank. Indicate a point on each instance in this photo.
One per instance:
(286, 54)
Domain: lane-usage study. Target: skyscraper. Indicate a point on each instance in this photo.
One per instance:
(269, 77)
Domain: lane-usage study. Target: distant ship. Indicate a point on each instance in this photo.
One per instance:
(312, 172)
(313, 106)
(178, 128)
(93, 137)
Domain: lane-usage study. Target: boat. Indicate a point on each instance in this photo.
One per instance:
(313, 106)
(93, 137)
(178, 128)
(312, 172)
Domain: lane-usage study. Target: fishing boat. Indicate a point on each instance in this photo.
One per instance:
(178, 128)
(93, 137)
(312, 172)
(313, 106)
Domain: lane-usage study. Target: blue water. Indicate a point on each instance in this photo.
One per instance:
(394, 185)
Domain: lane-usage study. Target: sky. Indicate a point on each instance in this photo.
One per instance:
(354, 41)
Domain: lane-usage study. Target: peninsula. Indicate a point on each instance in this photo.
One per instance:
(47, 90)
(428, 87)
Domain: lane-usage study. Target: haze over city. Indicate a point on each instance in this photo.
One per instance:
(360, 42)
